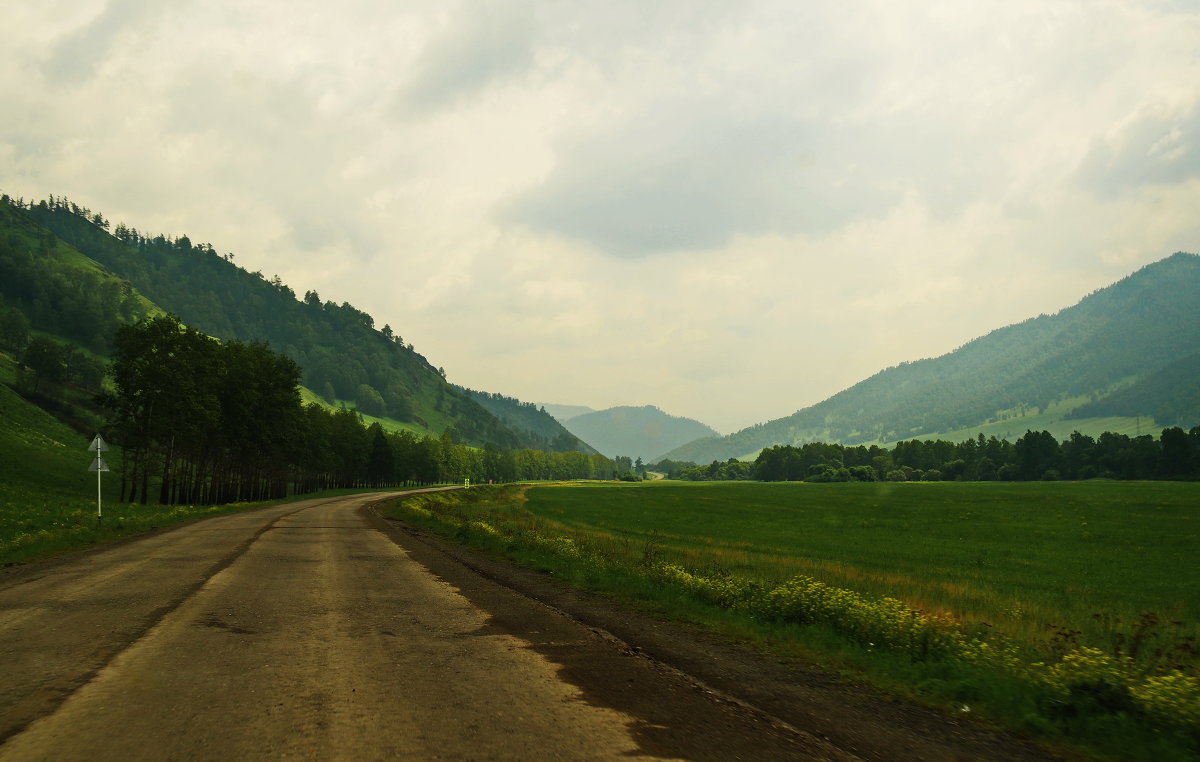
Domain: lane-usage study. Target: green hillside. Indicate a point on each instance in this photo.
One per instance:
(343, 355)
(56, 289)
(1017, 377)
(42, 455)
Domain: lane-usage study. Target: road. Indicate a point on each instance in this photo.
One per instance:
(304, 631)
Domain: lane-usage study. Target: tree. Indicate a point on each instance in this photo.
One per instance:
(14, 328)
(82, 370)
(46, 360)
(1037, 452)
(209, 423)
(380, 464)
(369, 401)
(1176, 459)
(397, 402)
(158, 368)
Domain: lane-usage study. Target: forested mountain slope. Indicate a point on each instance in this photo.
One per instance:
(1170, 395)
(531, 419)
(1125, 333)
(343, 355)
(637, 432)
(49, 286)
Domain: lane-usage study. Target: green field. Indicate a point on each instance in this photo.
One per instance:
(1021, 556)
(1068, 611)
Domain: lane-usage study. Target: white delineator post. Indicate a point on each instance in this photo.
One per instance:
(98, 465)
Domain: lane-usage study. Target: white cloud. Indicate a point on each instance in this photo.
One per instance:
(727, 210)
(1156, 146)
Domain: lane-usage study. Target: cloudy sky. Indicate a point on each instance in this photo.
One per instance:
(728, 210)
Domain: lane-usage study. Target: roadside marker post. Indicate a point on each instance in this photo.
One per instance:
(98, 446)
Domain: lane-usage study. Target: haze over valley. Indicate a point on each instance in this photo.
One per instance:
(663, 206)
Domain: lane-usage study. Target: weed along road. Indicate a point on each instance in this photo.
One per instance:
(304, 631)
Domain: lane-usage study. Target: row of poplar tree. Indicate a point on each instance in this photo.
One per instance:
(205, 422)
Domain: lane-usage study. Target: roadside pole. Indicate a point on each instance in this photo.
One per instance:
(99, 466)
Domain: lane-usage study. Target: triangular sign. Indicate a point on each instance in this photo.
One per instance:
(98, 445)
(98, 465)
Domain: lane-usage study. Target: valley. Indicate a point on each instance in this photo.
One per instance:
(996, 531)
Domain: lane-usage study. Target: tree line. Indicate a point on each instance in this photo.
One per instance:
(205, 422)
(1036, 455)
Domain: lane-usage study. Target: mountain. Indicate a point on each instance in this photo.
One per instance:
(1129, 343)
(564, 413)
(638, 432)
(532, 419)
(121, 275)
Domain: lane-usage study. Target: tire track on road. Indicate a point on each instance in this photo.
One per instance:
(64, 626)
(326, 641)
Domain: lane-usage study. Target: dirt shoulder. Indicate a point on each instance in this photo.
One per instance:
(855, 719)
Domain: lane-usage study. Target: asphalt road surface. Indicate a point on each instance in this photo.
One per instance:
(304, 631)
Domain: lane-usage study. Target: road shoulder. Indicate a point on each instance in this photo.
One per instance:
(850, 717)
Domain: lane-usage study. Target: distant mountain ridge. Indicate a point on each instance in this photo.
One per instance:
(638, 432)
(564, 413)
(1124, 334)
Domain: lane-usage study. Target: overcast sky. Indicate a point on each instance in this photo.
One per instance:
(727, 210)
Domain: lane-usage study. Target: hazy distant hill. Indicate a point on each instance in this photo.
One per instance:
(564, 413)
(1130, 341)
(639, 432)
(532, 419)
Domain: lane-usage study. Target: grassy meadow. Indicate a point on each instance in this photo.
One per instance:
(48, 496)
(1069, 611)
(1024, 557)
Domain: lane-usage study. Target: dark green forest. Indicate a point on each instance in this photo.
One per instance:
(48, 287)
(1036, 455)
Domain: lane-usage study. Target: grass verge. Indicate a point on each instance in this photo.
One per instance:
(35, 525)
(1135, 701)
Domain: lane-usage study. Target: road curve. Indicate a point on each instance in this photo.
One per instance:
(301, 631)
